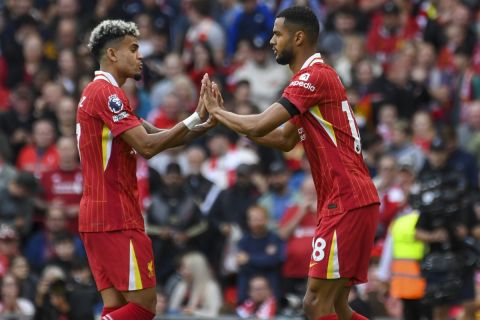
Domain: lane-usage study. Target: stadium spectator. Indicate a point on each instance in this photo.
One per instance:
(297, 228)
(26, 278)
(9, 247)
(66, 114)
(174, 222)
(344, 24)
(224, 159)
(228, 220)
(67, 71)
(197, 293)
(387, 117)
(253, 23)
(39, 247)
(402, 147)
(42, 155)
(260, 303)
(203, 28)
(391, 195)
(11, 303)
(63, 186)
(279, 196)
(17, 202)
(52, 277)
(202, 62)
(171, 68)
(63, 252)
(82, 292)
(260, 252)
(389, 32)
(261, 69)
(423, 129)
(169, 113)
(17, 121)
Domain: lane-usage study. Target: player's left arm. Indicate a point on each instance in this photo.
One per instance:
(196, 131)
(150, 128)
(253, 125)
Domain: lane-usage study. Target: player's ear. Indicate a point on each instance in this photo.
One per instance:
(299, 37)
(111, 54)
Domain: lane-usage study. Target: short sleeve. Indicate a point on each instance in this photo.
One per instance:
(115, 111)
(304, 90)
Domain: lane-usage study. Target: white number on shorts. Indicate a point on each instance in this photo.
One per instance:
(357, 146)
(318, 252)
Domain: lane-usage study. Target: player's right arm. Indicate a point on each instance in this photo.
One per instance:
(284, 137)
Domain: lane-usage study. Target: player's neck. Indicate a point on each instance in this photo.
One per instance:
(119, 79)
(300, 59)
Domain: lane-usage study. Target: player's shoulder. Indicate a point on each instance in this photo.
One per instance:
(315, 73)
(320, 69)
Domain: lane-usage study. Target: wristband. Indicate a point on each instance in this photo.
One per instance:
(192, 121)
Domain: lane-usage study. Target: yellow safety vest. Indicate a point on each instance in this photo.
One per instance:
(407, 282)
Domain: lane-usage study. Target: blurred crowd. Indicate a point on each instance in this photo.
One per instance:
(231, 222)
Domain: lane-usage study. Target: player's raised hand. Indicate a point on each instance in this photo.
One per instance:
(209, 99)
(218, 95)
(201, 110)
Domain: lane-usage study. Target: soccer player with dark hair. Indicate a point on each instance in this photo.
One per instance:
(109, 137)
(314, 109)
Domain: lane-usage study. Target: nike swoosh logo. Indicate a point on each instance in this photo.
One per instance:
(312, 264)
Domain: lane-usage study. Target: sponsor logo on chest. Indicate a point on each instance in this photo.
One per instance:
(302, 82)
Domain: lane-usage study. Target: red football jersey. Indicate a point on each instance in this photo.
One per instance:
(64, 186)
(330, 137)
(110, 196)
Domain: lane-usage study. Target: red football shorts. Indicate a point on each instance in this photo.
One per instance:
(120, 259)
(342, 245)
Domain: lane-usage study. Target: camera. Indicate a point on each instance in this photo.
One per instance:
(441, 195)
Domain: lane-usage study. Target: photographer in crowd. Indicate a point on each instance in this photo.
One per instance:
(445, 222)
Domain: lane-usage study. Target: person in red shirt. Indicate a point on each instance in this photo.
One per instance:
(109, 137)
(315, 110)
(389, 32)
(261, 303)
(64, 185)
(297, 228)
(42, 154)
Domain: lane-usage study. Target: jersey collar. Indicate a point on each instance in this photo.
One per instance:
(315, 58)
(103, 75)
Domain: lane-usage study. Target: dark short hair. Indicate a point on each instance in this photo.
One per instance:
(302, 18)
(110, 30)
(203, 7)
(27, 181)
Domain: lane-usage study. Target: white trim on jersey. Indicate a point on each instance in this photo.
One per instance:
(103, 75)
(316, 58)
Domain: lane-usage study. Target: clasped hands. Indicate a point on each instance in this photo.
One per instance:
(209, 102)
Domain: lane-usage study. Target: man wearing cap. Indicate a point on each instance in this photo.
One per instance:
(444, 224)
(388, 32)
(279, 197)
